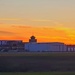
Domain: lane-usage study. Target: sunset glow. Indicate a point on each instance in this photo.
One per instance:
(47, 20)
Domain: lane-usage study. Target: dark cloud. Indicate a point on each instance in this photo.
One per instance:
(22, 26)
(6, 33)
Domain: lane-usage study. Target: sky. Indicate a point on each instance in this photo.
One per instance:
(47, 20)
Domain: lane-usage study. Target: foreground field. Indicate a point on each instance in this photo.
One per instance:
(37, 62)
(37, 53)
(40, 73)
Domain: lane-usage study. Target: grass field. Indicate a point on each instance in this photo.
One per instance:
(37, 62)
(37, 54)
(40, 73)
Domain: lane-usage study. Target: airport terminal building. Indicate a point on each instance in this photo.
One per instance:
(11, 45)
(32, 46)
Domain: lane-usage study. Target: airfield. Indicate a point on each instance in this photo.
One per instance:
(37, 62)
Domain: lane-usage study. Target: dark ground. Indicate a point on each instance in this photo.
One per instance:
(47, 62)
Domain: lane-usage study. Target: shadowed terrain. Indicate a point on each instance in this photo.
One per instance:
(37, 62)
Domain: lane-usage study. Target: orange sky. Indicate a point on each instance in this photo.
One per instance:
(43, 34)
(47, 20)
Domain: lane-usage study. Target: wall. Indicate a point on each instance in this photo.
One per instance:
(45, 47)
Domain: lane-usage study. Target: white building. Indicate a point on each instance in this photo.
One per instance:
(5, 42)
(33, 46)
(11, 45)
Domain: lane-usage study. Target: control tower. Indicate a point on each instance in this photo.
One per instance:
(32, 39)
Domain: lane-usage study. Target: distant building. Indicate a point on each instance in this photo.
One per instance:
(33, 46)
(11, 45)
(32, 39)
(70, 48)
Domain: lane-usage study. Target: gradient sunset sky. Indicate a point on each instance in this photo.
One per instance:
(48, 20)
